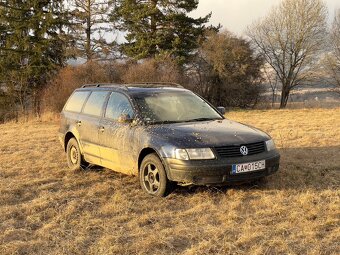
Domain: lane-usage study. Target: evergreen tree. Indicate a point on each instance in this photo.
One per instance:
(158, 27)
(32, 45)
(90, 25)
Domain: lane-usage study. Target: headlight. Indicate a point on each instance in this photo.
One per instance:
(181, 154)
(199, 153)
(270, 145)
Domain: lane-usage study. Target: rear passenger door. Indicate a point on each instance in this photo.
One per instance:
(116, 138)
(88, 123)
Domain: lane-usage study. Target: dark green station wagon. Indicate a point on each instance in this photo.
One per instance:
(163, 133)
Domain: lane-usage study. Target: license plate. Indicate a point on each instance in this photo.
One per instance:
(248, 167)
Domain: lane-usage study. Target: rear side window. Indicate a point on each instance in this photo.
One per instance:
(76, 101)
(118, 105)
(94, 104)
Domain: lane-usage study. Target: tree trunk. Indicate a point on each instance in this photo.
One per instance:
(37, 104)
(284, 97)
(88, 31)
(153, 26)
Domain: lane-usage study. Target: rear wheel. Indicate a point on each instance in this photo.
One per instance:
(74, 158)
(152, 176)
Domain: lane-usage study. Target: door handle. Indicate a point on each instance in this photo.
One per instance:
(102, 129)
(78, 123)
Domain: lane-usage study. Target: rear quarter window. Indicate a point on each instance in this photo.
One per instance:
(76, 101)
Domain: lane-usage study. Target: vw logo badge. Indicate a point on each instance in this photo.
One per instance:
(244, 150)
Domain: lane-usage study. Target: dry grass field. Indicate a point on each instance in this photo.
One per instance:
(46, 209)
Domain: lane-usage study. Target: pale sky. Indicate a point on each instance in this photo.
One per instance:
(236, 15)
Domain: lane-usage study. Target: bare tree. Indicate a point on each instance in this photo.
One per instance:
(272, 79)
(333, 59)
(335, 35)
(290, 38)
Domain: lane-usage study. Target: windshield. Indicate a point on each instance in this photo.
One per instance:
(174, 106)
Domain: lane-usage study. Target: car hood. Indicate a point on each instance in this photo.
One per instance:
(207, 133)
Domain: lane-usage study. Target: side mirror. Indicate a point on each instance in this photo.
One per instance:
(125, 118)
(221, 109)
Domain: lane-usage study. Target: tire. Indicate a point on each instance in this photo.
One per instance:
(74, 158)
(152, 176)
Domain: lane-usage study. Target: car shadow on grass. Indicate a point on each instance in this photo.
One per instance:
(316, 168)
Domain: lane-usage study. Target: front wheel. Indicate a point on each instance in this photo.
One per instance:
(152, 176)
(74, 158)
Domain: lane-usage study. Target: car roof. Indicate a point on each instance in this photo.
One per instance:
(135, 87)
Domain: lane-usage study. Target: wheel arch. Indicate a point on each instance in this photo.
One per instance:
(149, 150)
(143, 153)
(68, 136)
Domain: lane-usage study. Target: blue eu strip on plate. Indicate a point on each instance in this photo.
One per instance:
(233, 169)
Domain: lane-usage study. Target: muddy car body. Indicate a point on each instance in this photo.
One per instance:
(164, 134)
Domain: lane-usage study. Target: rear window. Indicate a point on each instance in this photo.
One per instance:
(94, 104)
(76, 101)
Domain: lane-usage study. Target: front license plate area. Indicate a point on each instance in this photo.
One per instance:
(248, 167)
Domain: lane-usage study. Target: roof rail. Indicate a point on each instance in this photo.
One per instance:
(102, 85)
(136, 84)
(163, 84)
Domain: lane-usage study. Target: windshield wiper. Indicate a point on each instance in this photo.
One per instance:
(181, 121)
(164, 122)
(202, 119)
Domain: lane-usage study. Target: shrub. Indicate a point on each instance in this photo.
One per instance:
(227, 71)
(70, 78)
(153, 70)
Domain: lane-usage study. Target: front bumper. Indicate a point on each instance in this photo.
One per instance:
(218, 171)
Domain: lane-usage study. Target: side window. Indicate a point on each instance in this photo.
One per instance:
(118, 104)
(76, 101)
(95, 103)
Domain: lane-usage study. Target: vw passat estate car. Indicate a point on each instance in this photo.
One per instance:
(163, 133)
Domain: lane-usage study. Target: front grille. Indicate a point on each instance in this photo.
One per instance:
(234, 150)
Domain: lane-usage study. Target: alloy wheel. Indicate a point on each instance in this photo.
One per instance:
(151, 178)
(74, 155)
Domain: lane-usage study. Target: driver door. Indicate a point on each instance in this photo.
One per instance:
(116, 136)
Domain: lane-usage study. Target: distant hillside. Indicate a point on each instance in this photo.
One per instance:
(317, 92)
